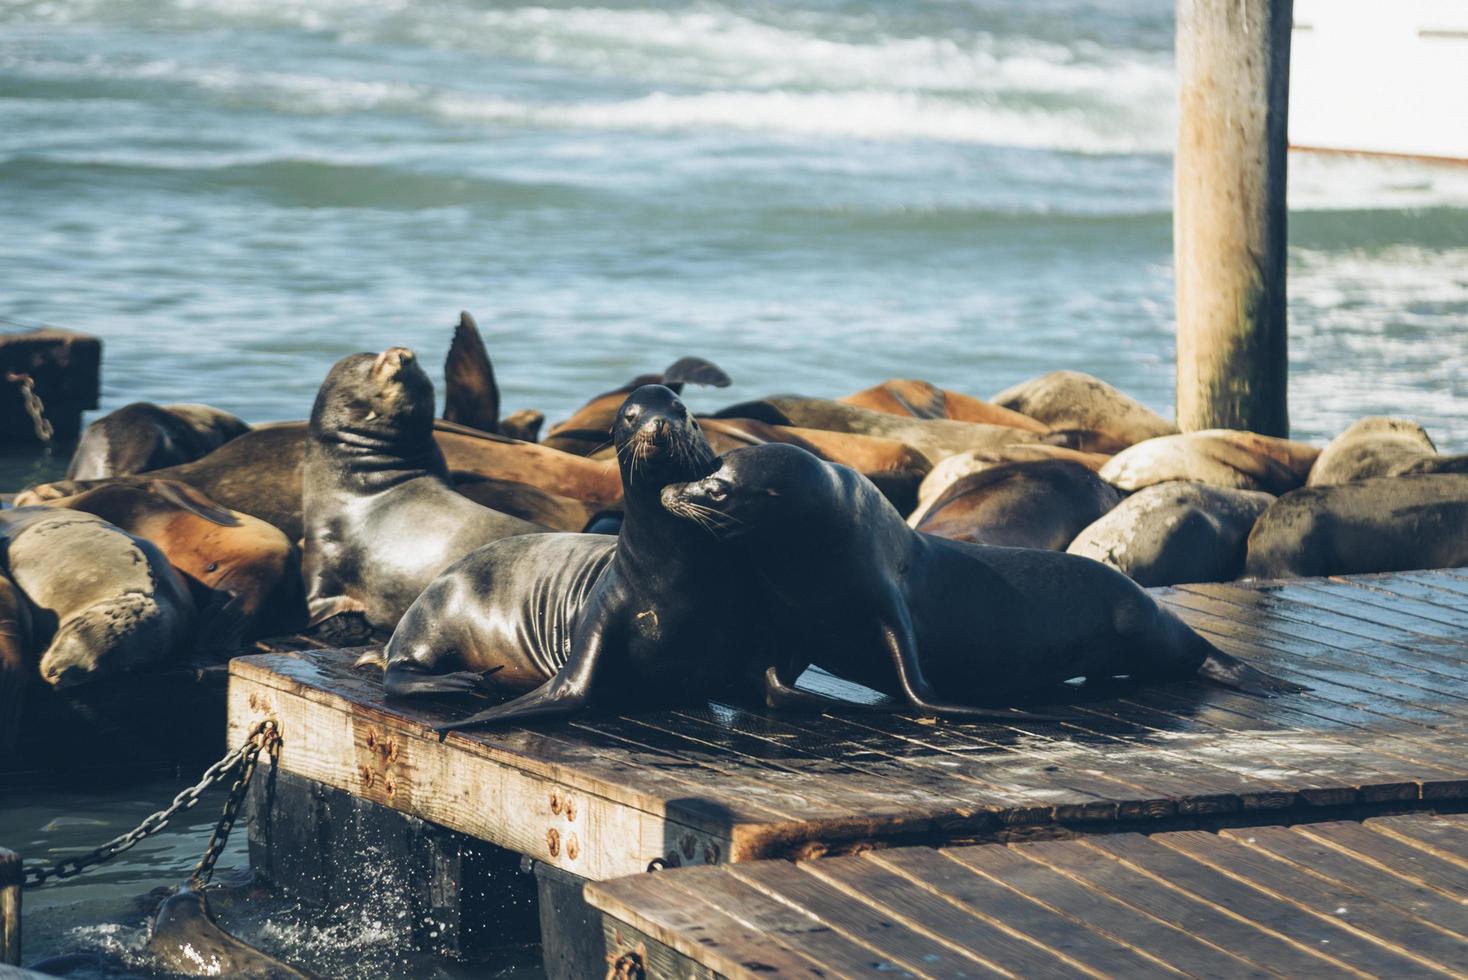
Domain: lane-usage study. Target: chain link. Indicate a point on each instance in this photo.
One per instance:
(33, 406)
(264, 736)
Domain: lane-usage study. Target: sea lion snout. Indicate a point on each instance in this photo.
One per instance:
(391, 362)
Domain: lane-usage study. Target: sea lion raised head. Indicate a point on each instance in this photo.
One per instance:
(375, 397)
(655, 435)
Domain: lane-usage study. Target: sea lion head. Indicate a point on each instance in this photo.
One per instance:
(656, 438)
(383, 394)
(758, 488)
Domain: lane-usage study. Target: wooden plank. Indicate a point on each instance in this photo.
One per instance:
(706, 933)
(1421, 602)
(10, 881)
(1089, 908)
(1445, 836)
(1426, 948)
(1239, 897)
(1341, 871)
(1385, 847)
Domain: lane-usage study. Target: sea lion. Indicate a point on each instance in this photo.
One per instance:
(1074, 401)
(922, 400)
(142, 436)
(663, 618)
(1171, 533)
(244, 574)
(17, 663)
(960, 465)
(1384, 524)
(1378, 446)
(1219, 457)
(1040, 504)
(943, 624)
(934, 438)
(523, 425)
(259, 473)
(187, 941)
(590, 427)
(381, 518)
(102, 600)
(470, 396)
(528, 503)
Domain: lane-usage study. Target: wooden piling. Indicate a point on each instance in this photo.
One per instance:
(63, 369)
(10, 879)
(1233, 64)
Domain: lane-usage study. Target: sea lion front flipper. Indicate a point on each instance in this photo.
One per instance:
(1230, 672)
(191, 500)
(696, 371)
(471, 396)
(323, 608)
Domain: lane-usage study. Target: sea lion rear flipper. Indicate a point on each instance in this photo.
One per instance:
(324, 608)
(1230, 672)
(191, 500)
(695, 371)
(471, 396)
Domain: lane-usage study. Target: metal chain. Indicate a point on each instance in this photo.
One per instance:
(33, 406)
(262, 736)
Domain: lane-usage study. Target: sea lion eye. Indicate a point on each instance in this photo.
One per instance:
(213, 566)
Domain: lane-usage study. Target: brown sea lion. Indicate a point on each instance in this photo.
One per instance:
(1171, 533)
(17, 661)
(523, 425)
(245, 574)
(589, 428)
(527, 502)
(1073, 401)
(1218, 457)
(943, 624)
(142, 436)
(957, 466)
(471, 396)
(260, 472)
(381, 517)
(1383, 524)
(921, 400)
(934, 438)
(102, 600)
(1378, 446)
(1041, 504)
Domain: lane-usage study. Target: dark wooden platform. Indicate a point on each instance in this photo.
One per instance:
(603, 796)
(1385, 898)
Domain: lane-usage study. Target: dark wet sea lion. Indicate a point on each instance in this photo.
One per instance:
(260, 472)
(1073, 401)
(471, 396)
(590, 427)
(527, 502)
(664, 618)
(934, 438)
(142, 436)
(1219, 457)
(955, 467)
(1384, 524)
(943, 624)
(1172, 533)
(17, 661)
(102, 600)
(1378, 446)
(245, 574)
(186, 940)
(921, 400)
(381, 518)
(1040, 504)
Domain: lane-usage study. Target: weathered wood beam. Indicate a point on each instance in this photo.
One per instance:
(1229, 216)
(10, 879)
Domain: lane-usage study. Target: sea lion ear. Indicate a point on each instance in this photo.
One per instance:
(471, 396)
(191, 500)
(695, 371)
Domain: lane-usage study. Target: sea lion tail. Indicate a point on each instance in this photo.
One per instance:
(1225, 671)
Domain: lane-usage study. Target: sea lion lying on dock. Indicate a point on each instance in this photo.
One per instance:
(590, 427)
(381, 518)
(922, 400)
(1040, 504)
(1384, 524)
(1228, 458)
(943, 624)
(102, 600)
(958, 466)
(664, 618)
(1172, 533)
(1070, 401)
(142, 436)
(1379, 446)
(244, 574)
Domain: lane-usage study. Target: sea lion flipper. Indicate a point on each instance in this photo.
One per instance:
(191, 500)
(696, 371)
(323, 608)
(1230, 672)
(471, 396)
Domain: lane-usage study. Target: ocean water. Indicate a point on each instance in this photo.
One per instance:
(815, 194)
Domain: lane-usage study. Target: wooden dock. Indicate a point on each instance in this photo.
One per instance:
(1388, 897)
